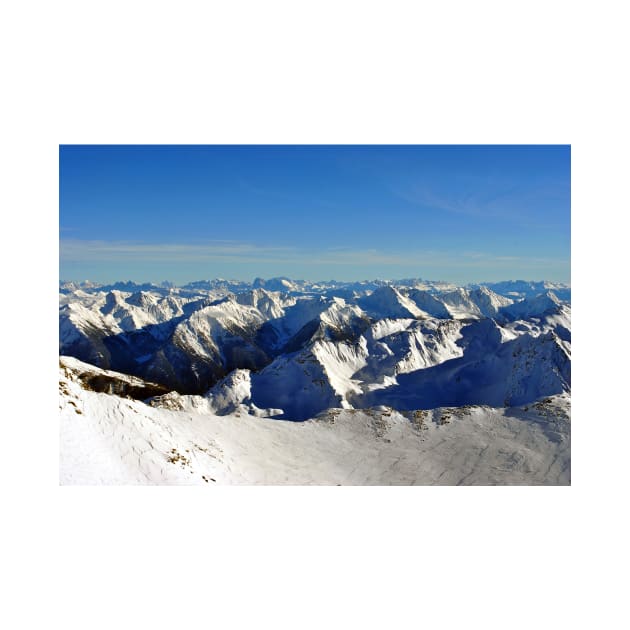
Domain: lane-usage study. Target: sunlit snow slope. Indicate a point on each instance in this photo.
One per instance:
(107, 439)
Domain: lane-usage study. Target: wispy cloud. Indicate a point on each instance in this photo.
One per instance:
(80, 251)
(470, 203)
(73, 250)
(484, 197)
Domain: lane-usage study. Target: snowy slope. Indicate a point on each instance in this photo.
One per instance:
(429, 303)
(390, 302)
(105, 439)
(533, 306)
(477, 303)
(272, 305)
(491, 370)
(519, 289)
(395, 348)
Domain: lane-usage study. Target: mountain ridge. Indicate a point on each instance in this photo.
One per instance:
(306, 351)
(508, 288)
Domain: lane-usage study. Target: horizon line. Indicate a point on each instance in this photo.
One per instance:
(160, 284)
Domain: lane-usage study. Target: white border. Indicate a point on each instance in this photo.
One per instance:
(342, 72)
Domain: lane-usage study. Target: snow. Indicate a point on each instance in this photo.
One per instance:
(292, 358)
(390, 302)
(386, 327)
(341, 361)
(464, 304)
(105, 439)
(530, 307)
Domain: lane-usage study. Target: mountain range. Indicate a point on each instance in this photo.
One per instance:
(291, 382)
(313, 346)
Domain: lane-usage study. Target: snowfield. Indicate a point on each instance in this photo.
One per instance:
(106, 439)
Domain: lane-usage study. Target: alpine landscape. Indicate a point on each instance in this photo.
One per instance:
(268, 379)
(279, 381)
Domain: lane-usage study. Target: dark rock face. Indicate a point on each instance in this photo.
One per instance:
(125, 387)
(112, 385)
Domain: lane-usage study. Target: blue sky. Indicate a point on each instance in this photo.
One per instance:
(182, 213)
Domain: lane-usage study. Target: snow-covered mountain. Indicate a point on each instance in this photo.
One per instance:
(178, 440)
(390, 302)
(513, 289)
(519, 289)
(308, 352)
(292, 350)
(473, 304)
